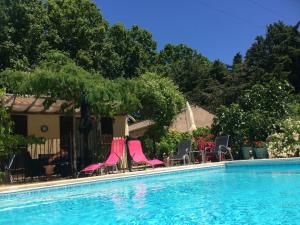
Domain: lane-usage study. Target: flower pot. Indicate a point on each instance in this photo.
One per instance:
(49, 170)
(246, 152)
(261, 153)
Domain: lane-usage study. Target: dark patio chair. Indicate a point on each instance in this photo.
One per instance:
(220, 150)
(183, 151)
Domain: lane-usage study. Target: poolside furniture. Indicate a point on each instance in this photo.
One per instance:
(183, 151)
(9, 171)
(220, 149)
(138, 156)
(116, 153)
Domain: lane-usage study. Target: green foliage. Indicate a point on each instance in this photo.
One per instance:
(29, 29)
(230, 120)
(214, 87)
(293, 108)
(276, 56)
(169, 142)
(127, 53)
(5, 128)
(270, 98)
(13, 81)
(8, 142)
(160, 98)
(78, 28)
(58, 77)
(187, 68)
(257, 126)
(237, 82)
(22, 33)
(201, 132)
(256, 116)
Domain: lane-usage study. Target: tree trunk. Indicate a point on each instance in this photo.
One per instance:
(85, 128)
(74, 148)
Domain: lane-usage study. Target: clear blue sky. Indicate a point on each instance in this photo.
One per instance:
(215, 28)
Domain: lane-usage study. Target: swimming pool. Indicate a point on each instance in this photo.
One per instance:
(232, 194)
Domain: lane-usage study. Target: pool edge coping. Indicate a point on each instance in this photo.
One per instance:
(107, 177)
(9, 189)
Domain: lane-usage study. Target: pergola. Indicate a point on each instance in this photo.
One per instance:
(31, 104)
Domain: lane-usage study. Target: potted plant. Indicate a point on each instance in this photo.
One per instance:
(247, 149)
(260, 150)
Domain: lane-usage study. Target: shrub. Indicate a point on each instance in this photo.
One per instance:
(285, 143)
(230, 120)
(169, 142)
(201, 132)
(256, 116)
(201, 137)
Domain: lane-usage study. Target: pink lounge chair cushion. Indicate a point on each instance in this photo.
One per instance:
(116, 153)
(137, 154)
(93, 167)
(154, 162)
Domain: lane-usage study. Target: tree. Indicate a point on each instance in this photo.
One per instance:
(212, 88)
(187, 68)
(127, 53)
(276, 56)
(182, 64)
(22, 33)
(237, 81)
(159, 98)
(160, 101)
(78, 28)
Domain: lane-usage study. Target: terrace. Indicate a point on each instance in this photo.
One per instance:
(140, 173)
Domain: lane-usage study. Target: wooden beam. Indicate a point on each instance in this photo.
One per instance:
(7, 100)
(30, 105)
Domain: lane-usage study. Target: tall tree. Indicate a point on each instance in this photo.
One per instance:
(211, 90)
(238, 80)
(187, 68)
(277, 55)
(77, 27)
(127, 52)
(22, 32)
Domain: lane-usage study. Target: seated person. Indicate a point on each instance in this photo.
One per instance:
(61, 162)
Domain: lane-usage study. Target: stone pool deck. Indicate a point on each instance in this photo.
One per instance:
(56, 183)
(37, 185)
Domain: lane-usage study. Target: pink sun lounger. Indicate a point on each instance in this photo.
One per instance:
(116, 153)
(138, 156)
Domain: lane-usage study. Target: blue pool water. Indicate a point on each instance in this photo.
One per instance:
(231, 195)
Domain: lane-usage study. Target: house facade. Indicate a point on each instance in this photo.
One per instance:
(60, 129)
